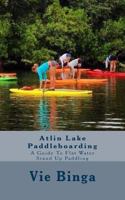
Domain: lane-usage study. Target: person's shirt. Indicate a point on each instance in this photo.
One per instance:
(53, 63)
(112, 58)
(42, 67)
(64, 57)
(73, 63)
(108, 58)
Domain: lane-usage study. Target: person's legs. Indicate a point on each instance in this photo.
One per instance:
(78, 73)
(73, 72)
(44, 79)
(41, 80)
(42, 70)
(111, 66)
(114, 66)
(41, 85)
(106, 64)
(61, 63)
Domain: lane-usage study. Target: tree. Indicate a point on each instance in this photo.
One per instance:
(112, 37)
(40, 30)
(4, 33)
(68, 29)
(99, 10)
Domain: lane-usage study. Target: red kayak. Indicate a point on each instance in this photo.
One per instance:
(96, 72)
(67, 70)
(100, 73)
(7, 74)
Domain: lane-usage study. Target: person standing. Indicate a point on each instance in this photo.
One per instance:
(64, 60)
(113, 63)
(42, 69)
(72, 64)
(107, 61)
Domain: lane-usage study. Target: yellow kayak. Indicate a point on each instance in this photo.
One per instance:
(57, 92)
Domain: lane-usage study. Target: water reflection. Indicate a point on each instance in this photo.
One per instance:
(60, 113)
(105, 110)
(109, 108)
(43, 115)
(47, 114)
(53, 113)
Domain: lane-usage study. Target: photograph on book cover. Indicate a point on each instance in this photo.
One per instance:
(76, 49)
(62, 99)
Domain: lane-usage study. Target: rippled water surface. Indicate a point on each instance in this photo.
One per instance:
(105, 110)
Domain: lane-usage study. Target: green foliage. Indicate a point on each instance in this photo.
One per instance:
(4, 32)
(66, 26)
(112, 36)
(38, 30)
(32, 41)
(99, 10)
(43, 54)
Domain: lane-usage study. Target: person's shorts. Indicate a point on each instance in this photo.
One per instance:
(60, 63)
(42, 76)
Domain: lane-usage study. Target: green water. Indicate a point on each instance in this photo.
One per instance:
(105, 110)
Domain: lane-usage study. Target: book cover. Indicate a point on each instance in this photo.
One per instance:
(62, 129)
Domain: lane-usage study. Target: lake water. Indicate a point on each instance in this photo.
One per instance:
(105, 110)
